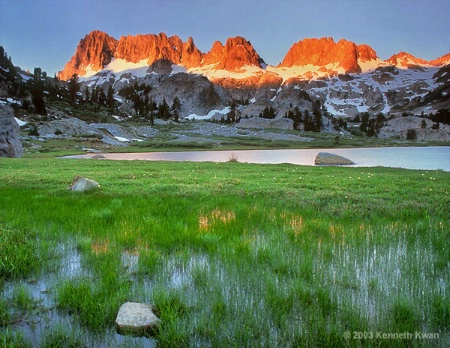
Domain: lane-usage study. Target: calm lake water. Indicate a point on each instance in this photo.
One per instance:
(429, 158)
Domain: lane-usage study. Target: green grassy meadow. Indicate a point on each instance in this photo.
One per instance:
(229, 254)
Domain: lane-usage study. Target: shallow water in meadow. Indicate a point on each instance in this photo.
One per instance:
(43, 317)
(366, 277)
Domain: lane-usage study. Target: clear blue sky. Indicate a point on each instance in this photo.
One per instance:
(45, 33)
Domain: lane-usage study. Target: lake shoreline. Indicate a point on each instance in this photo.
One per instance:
(426, 158)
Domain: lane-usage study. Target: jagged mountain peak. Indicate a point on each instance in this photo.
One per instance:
(150, 47)
(97, 49)
(366, 53)
(307, 59)
(405, 60)
(94, 51)
(441, 61)
(236, 53)
(324, 51)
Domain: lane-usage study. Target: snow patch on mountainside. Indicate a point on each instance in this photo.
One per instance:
(209, 115)
(371, 65)
(212, 74)
(89, 72)
(138, 69)
(307, 72)
(117, 67)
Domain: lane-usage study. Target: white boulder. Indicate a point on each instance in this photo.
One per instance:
(134, 317)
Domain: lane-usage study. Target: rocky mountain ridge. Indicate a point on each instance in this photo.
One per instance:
(96, 50)
(344, 77)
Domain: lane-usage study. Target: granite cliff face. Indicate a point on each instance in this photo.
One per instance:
(157, 47)
(191, 55)
(95, 51)
(236, 53)
(324, 51)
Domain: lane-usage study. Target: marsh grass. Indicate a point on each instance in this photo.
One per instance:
(12, 339)
(18, 251)
(59, 337)
(229, 254)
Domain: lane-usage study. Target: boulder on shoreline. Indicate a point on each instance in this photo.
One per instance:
(330, 159)
(136, 318)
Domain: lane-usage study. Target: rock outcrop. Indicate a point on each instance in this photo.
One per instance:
(366, 53)
(422, 128)
(236, 53)
(191, 56)
(330, 159)
(158, 47)
(136, 318)
(262, 123)
(95, 51)
(406, 61)
(10, 143)
(444, 60)
(324, 51)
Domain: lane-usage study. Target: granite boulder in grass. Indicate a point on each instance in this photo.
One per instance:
(136, 319)
(82, 184)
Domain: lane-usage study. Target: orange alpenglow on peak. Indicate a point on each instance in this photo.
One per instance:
(366, 53)
(405, 57)
(408, 61)
(324, 51)
(95, 50)
(151, 47)
(236, 53)
(191, 55)
(444, 60)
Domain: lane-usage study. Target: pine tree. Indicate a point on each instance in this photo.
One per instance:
(176, 106)
(379, 121)
(163, 110)
(150, 109)
(317, 121)
(74, 87)
(110, 98)
(87, 95)
(232, 116)
(364, 122)
(37, 93)
(307, 121)
(137, 104)
(101, 97)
